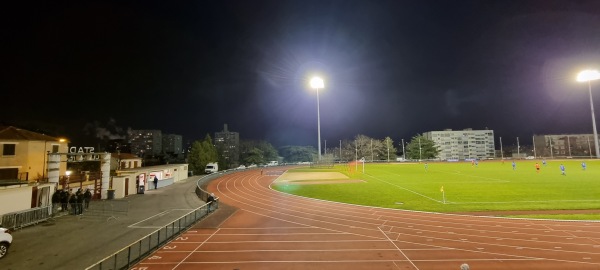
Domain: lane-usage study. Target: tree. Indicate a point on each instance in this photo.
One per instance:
(209, 153)
(194, 157)
(362, 145)
(269, 152)
(293, 153)
(253, 156)
(257, 152)
(367, 147)
(420, 147)
(390, 150)
(202, 153)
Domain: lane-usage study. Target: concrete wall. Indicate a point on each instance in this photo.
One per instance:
(15, 198)
(167, 175)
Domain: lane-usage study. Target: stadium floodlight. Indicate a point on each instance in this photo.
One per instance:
(317, 83)
(589, 76)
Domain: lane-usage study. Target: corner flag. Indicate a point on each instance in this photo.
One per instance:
(443, 194)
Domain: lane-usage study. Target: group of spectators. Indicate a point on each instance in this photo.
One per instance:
(72, 202)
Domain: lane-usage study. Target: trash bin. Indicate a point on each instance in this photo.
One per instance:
(141, 190)
(190, 173)
(111, 194)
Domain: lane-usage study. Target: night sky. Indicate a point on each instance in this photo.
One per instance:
(391, 68)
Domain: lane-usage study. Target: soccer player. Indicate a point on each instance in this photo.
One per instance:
(583, 165)
(544, 162)
(537, 167)
(425, 166)
(514, 165)
(562, 170)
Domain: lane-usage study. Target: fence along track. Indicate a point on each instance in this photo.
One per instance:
(132, 254)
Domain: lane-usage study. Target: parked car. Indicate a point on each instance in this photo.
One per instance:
(241, 167)
(5, 241)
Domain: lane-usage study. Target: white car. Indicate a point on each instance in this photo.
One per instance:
(5, 241)
(241, 167)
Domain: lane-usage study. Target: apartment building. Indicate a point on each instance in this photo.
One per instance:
(172, 144)
(564, 145)
(463, 144)
(145, 142)
(228, 146)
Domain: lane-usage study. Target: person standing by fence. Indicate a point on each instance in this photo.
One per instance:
(55, 201)
(73, 203)
(64, 200)
(210, 200)
(79, 202)
(155, 182)
(87, 196)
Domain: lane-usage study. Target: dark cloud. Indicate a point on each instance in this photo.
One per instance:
(392, 68)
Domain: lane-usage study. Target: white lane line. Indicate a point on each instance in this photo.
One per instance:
(186, 257)
(398, 248)
(134, 225)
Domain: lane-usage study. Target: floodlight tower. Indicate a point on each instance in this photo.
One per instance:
(589, 76)
(317, 83)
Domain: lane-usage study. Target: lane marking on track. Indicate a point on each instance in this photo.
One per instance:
(163, 213)
(195, 250)
(398, 248)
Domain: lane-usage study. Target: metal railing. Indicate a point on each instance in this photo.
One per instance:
(20, 219)
(134, 253)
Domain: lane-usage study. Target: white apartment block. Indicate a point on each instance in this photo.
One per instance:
(463, 144)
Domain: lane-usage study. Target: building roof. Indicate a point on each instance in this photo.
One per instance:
(17, 134)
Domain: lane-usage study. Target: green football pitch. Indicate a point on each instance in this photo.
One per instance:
(488, 186)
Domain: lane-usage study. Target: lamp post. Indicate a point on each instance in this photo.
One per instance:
(340, 151)
(588, 76)
(317, 83)
(403, 152)
(518, 149)
(501, 151)
(387, 142)
(420, 154)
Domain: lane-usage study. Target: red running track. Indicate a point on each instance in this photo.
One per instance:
(273, 230)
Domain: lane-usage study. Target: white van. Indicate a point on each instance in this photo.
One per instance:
(211, 167)
(273, 163)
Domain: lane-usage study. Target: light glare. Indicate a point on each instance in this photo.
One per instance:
(588, 75)
(317, 83)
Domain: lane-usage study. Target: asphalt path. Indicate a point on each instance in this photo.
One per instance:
(76, 242)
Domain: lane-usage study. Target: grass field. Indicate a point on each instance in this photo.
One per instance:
(489, 186)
